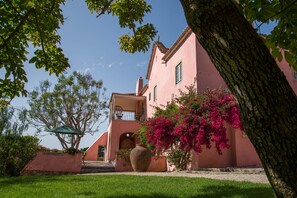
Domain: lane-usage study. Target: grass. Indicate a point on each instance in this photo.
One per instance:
(125, 186)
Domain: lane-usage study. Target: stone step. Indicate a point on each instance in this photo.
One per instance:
(97, 167)
(97, 170)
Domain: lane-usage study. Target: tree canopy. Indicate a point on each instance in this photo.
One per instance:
(77, 101)
(27, 24)
(34, 24)
(13, 121)
(282, 15)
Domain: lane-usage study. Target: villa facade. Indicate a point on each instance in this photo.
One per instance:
(170, 70)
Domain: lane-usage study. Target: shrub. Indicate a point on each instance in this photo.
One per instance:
(15, 152)
(179, 158)
(124, 154)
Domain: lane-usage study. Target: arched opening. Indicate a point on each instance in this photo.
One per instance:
(127, 141)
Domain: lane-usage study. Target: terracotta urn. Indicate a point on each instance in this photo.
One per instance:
(140, 158)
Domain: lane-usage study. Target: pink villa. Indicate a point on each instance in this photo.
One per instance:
(170, 70)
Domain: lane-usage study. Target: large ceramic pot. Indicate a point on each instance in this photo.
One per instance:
(140, 158)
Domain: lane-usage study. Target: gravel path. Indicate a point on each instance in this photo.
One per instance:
(235, 176)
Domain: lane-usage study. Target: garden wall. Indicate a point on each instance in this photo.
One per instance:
(50, 163)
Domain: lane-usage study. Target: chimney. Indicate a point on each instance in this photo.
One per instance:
(139, 86)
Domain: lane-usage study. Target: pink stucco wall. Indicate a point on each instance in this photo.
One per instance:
(240, 154)
(163, 74)
(116, 128)
(92, 152)
(197, 69)
(209, 158)
(54, 163)
(246, 155)
(289, 73)
(157, 165)
(207, 74)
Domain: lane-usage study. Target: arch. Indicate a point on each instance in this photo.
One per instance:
(127, 141)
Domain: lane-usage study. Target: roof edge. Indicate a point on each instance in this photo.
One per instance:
(162, 49)
(181, 39)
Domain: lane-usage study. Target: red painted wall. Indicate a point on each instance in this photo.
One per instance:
(246, 155)
(92, 152)
(116, 129)
(54, 163)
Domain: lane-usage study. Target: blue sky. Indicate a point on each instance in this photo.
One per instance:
(91, 44)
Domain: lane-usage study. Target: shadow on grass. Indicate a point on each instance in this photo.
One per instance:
(152, 195)
(232, 191)
(203, 189)
(26, 180)
(215, 191)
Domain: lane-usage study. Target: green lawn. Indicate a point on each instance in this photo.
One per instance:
(121, 186)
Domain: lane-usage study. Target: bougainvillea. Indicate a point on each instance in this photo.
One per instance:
(160, 133)
(199, 120)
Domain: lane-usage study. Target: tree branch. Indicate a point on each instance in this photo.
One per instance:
(284, 9)
(17, 29)
(104, 9)
(41, 37)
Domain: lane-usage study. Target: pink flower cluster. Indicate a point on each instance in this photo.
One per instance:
(199, 121)
(159, 133)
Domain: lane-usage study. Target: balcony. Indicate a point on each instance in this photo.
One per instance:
(127, 107)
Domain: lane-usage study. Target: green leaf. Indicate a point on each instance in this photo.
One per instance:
(289, 57)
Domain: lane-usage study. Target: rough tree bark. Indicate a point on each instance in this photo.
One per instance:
(267, 102)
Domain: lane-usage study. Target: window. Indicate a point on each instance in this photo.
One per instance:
(178, 73)
(155, 93)
(149, 96)
(101, 152)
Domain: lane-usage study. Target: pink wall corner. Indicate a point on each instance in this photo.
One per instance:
(119, 127)
(209, 158)
(246, 155)
(49, 162)
(92, 152)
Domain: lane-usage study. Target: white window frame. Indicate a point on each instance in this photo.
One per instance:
(178, 73)
(155, 93)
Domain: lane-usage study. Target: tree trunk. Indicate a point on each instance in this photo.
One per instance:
(267, 103)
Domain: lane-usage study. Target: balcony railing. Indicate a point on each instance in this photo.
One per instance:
(125, 115)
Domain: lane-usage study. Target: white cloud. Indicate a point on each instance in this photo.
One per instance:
(86, 70)
(142, 64)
